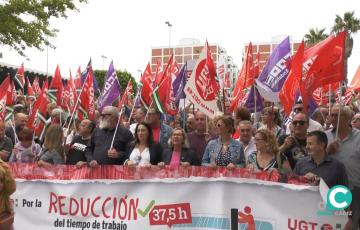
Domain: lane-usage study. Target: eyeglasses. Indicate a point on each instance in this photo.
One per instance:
(298, 109)
(298, 123)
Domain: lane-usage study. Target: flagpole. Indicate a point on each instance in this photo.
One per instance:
(329, 98)
(133, 107)
(339, 113)
(254, 104)
(184, 115)
(77, 101)
(117, 126)
(148, 111)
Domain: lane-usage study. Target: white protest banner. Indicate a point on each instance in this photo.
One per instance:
(172, 201)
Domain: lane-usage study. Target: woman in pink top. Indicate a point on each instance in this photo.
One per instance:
(178, 151)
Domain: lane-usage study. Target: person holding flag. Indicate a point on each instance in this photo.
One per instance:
(108, 141)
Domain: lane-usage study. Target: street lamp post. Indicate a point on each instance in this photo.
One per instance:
(103, 58)
(169, 25)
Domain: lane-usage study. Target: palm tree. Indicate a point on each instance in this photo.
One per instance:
(351, 25)
(314, 36)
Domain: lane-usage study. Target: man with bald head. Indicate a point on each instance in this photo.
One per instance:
(20, 120)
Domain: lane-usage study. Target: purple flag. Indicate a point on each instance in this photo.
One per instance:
(179, 84)
(84, 74)
(111, 90)
(275, 72)
(250, 101)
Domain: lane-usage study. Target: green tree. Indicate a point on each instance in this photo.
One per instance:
(314, 36)
(123, 76)
(26, 23)
(351, 25)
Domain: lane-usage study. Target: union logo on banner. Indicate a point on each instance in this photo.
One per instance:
(203, 82)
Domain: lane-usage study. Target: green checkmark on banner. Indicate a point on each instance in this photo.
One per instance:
(147, 209)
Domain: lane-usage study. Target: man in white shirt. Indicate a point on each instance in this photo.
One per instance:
(246, 137)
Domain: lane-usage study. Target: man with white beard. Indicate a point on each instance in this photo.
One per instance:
(99, 151)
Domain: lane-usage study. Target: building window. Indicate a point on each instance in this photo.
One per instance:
(156, 52)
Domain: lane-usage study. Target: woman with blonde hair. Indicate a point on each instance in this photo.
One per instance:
(269, 117)
(178, 151)
(53, 149)
(267, 155)
(7, 187)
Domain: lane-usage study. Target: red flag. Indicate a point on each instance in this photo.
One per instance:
(125, 95)
(87, 98)
(11, 94)
(77, 79)
(249, 70)
(72, 93)
(355, 83)
(30, 91)
(327, 67)
(55, 89)
(37, 119)
(227, 84)
(159, 74)
(291, 84)
(147, 86)
(3, 95)
(35, 107)
(36, 86)
(245, 79)
(257, 66)
(20, 76)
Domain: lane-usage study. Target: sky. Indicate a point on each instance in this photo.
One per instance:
(125, 31)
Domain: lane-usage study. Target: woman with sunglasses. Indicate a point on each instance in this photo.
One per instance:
(143, 150)
(267, 155)
(179, 152)
(224, 151)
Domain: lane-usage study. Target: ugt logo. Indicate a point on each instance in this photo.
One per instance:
(338, 198)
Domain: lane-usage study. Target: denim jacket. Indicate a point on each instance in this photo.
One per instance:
(213, 148)
(165, 132)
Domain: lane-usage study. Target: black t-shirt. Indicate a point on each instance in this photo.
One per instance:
(296, 151)
(77, 150)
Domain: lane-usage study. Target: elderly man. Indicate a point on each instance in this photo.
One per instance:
(246, 137)
(100, 151)
(139, 116)
(190, 123)
(20, 120)
(344, 145)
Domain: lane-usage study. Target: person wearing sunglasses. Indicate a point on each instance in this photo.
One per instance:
(294, 146)
(224, 151)
(313, 125)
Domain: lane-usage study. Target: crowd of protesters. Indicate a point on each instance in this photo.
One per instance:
(324, 145)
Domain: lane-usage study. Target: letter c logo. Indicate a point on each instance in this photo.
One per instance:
(338, 198)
